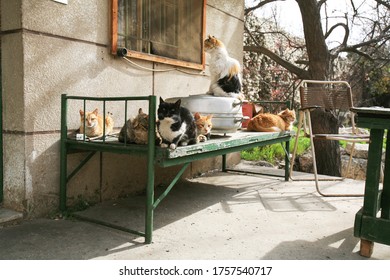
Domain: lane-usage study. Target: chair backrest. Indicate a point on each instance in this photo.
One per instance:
(330, 95)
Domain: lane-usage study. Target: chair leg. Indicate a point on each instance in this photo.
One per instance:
(382, 174)
(304, 120)
(350, 159)
(302, 117)
(300, 122)
(313, 153)
(315, 169)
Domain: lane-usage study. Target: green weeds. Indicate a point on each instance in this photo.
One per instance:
(274, 153)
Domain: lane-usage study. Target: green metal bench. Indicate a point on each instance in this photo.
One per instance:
(217, 146)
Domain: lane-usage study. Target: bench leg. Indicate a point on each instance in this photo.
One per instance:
(224, 163)
(63, 176)
(149, 202)
(287, 162)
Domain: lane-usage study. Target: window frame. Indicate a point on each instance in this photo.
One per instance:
(152, 57)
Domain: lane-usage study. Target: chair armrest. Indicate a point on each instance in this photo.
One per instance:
(310, 108)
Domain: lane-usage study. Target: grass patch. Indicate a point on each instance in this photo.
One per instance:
(275, 152)
(80, 204)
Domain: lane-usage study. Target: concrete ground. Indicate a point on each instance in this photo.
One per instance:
(215, 216)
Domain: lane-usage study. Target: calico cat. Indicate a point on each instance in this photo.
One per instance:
(203, 126)
(224, 70)
(266, 122)
(175, 125)
(136, 129)
(94, 124)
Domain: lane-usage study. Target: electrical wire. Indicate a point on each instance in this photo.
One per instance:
(202, 73)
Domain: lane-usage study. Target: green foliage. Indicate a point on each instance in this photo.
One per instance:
(81, 204)
(377, 80)
(343, 143)
(273, 153)
(373, 76)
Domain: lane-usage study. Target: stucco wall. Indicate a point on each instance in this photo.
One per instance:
(49, 49)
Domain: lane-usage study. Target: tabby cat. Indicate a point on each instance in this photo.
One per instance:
(94, 124)
(136, 129)
(224, 70)
(203, 126)
(266, 122)
(176, 125)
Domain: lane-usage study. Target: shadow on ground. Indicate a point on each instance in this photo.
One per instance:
(219, 216)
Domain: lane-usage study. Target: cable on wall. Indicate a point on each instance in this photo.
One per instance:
(123, 52)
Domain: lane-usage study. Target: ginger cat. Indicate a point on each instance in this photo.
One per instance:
(203, 126)
(94, 124)
(266, 122)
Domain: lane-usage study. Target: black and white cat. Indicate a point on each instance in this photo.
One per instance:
(176, 125)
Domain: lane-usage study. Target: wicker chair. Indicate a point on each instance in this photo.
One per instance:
(334, 97)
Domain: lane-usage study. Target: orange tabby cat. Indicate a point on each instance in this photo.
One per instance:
(266, 122)
(203, 126)
(94, 124)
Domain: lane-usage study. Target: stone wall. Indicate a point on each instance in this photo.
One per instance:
(358, 166)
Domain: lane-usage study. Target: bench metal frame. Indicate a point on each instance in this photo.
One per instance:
(155, 155)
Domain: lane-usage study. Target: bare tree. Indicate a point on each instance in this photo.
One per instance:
(320, 57)
(264, 78)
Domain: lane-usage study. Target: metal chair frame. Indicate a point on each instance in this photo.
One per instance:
(335, 97)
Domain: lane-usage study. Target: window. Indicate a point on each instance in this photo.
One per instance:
(165, 31)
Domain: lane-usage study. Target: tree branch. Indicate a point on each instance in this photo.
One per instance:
(346, 35)
(301, 73)
(320, 3)
(386, 4)
(291, 43)
(354, 50)
(355, 12)
(259, 5)
(383, 36)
